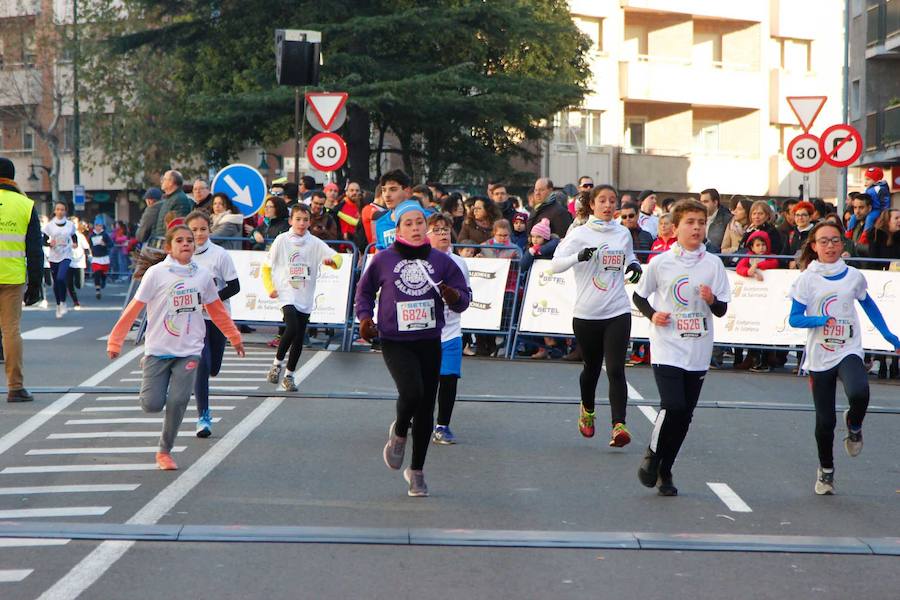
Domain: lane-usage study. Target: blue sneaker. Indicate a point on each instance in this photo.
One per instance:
(204, 425)
(442, 435)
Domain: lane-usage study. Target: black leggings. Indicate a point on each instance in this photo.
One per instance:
(604, 340)
(73, 280)
(679, 391)
(99, 280)
(209, 365)
(415, 367)
(58, 271)
(852, 373)
(294, 331)
(446, 398)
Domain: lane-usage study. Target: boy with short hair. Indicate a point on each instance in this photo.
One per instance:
(688, 286)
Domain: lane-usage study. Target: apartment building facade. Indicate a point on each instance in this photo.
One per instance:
(875, 82)
(32, 80)
(690, 94)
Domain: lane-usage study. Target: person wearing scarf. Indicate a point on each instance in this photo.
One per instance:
(823, 302)
(413, 282)
(601, 254)
(688, 286)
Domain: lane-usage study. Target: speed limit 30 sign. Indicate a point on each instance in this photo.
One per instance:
(326, 151)
(804, 153)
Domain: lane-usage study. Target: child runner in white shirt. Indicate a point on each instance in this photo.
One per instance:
(59, 236)
(218, 262)
(688, 286)
(289, 274)
(823, 301)
(173, 291)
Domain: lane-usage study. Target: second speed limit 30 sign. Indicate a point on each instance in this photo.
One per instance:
(326, 151)
(804, 153)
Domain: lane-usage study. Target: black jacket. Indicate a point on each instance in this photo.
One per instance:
(557, 213)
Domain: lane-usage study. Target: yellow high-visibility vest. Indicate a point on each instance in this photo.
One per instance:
(15, 213)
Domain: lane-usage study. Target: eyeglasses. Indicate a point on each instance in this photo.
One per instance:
(832, 241)
(800, 214)
(441, 231)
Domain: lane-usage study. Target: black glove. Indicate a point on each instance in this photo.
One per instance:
(34, 293)
(368, 330)
(636, 271)
(450, 295)
(586, 254)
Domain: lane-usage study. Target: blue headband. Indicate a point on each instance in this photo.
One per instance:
(405, 207)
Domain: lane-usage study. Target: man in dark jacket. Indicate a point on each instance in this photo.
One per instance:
(547, 204)
(201, 195)
(148, 218)
(718, 219)
(497, 192)
(173, 200)
(321, 223)
(641, 240)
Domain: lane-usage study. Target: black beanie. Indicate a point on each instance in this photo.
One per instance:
(644, 194)
(7, 168)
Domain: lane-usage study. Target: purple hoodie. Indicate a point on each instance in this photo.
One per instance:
(399, 276)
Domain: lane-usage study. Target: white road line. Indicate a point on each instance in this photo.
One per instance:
(19, 433)
(99, 435)
(67, 489)
(136, 397)
(129, 420)
(224, 372)
(96, 409)
(648, 412)
(228, 388)
(729, 497)
(80, 468)
(95, 564)
(48, 333)
(27, 542)
(117, 450)
(83, 309)
(245, 379)
(103, 338)
(14, 575)
(62, 511)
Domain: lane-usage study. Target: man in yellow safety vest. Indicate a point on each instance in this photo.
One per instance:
(21, 264)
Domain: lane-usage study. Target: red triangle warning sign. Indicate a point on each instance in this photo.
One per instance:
(326, 105)
(807, 108)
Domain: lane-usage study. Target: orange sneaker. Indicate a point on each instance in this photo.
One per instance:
(620, 436)
(164, 461)
(586, 423)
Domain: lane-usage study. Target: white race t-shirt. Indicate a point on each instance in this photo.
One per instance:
(827, 346)
(61, 237)
(600, 281)
(453, 320)
(674, 281)
(78, 253)
(174, 295)
(218, 262)
(295, 261)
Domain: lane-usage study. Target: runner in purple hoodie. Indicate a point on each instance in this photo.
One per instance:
(415, 282)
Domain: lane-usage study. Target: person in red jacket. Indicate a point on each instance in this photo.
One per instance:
(665, 236)
(758, 243)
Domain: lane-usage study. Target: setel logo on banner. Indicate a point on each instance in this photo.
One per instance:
(244, 185)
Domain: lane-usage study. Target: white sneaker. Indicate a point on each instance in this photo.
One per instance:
(60, 311)
(824, 482)
(43, 303)
(77, 307)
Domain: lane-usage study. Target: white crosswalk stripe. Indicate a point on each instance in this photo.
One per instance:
(48, 333)
(79, 468)
(99, 435)
(67, 489)
(118, 450)
(127, 421)
(14, 575)
(96, 409)
(62, 511)
(29, 542)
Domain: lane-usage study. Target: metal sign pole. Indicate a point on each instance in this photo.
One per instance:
(806, 187)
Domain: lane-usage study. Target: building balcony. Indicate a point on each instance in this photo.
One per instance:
(651, 79)
(782, 84)
(883, 30)
(792, 19)
(19, 8)
(737, 11)
(20, 86)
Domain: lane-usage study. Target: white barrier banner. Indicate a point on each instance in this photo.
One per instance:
(252, 303)
(757, 314)
(487, 276)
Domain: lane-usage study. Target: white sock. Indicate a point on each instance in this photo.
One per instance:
(278, 363)
(288, 373)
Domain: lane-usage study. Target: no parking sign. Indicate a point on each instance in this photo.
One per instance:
(841, 145)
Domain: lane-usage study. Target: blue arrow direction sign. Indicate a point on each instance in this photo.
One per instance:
(243, 184)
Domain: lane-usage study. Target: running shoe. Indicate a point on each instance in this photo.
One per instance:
(620, 436)
(416, 481)
(665, 486)
(394, 450)
(43, 303)
(824, 482)
(287, 384)
(443, 436)
(648, 472)
(204, 425)
(853, 443)
(274, 374)
(77, 306)
(164, 461)
(760, 368)
(98, 294)
(60, 311)
(586, 423)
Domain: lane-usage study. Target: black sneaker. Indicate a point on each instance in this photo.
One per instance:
(20, 395)
(648, 472)
(98, 294)
(760, 368)
(665, 486)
